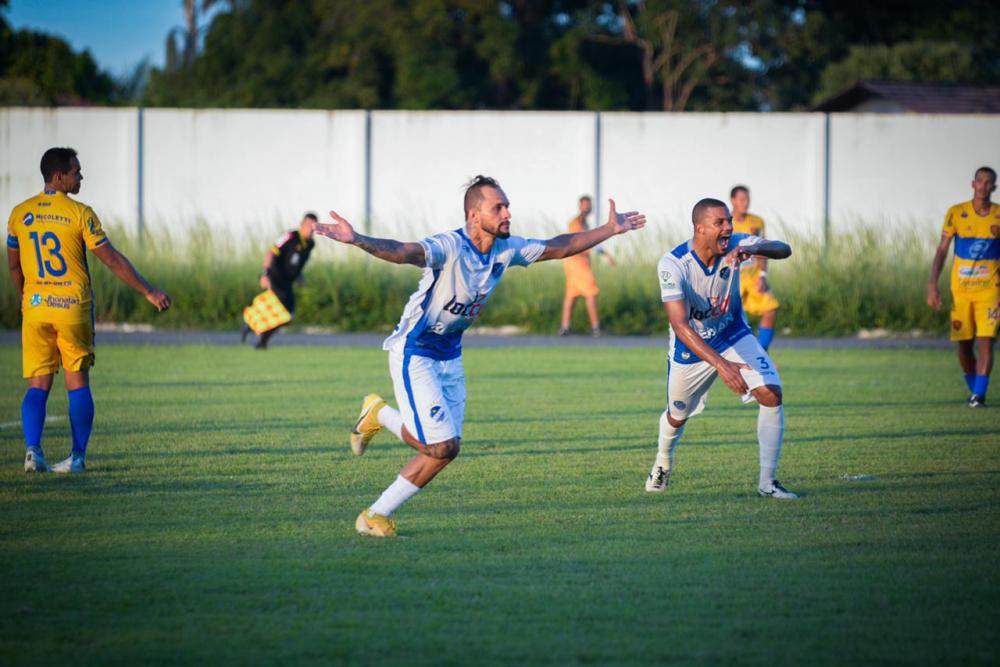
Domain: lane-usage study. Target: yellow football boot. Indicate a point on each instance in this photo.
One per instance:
(367, 425)
(375, 525)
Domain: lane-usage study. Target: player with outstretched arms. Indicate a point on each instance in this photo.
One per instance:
(709, 337)
(462, 267)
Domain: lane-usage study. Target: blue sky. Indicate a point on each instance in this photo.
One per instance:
(119, 33)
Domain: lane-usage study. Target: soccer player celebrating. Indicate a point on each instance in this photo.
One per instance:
(461, 269)
(580, 281)
(57, 304)
(975, 281)
(755, 292)
(709, 337)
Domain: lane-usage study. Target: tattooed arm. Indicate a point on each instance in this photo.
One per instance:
(389, 250)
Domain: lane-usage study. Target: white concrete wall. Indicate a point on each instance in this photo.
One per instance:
(251, 170)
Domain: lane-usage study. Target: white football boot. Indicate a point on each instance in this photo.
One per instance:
(659, 478)
(34, 461)
(72, 464)
(776, 491)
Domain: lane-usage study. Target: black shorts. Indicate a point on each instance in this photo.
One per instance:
(285, 295)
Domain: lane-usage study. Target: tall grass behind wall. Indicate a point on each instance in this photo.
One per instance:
(863, 279)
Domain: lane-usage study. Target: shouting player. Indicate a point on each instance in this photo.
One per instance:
(975, 281)
(709, 337)
(47, 241)
(755, 292)
(461, 269)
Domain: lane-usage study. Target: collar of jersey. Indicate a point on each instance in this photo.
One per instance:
(482, 258)
(704, 268)
(50, 192)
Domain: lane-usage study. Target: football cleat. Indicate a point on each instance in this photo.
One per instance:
(659, 478)
(72, 464)
(375, 525)
(977, 401)
(34, 461)
(776, 491)
(367, 425)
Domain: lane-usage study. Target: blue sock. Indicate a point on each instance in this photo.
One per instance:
(970, 380)
(33, 416)
(81, 418)
(982, 382)
(765, 335)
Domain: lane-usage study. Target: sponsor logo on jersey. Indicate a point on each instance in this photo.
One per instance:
(665, 280)
(974, 271)
(717, 308)
(956, 324)
(724, 273)
(979, 248)
(467, 310)
(53, 217)
(437, 413)
(62, 302)
(497, 269)
(91, 226)
(965, 214)
(28, 219)
(36, 299)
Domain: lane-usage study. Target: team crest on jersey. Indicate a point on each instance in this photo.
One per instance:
(685, 355)
(724, 273)
(965, 214)
(497, 270)
(437, 413)
(29, 218)
(36, 299)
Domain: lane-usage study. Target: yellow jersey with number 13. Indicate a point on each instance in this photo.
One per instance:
(52, 233)
(976, 270)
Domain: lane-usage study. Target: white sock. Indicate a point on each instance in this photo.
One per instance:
(667, 442)
(392, 420)
(770, 433)
(392, 498)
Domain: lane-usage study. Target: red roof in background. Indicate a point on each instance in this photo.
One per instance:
(918, 97)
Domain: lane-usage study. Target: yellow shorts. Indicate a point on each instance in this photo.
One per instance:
(756, 302)
(45, 344)
(975, 317)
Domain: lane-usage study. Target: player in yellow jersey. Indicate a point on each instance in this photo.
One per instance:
(754, 288)
(975, 281)
(47, 241)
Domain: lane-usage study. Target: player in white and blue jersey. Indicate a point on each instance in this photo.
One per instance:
(709, 337)
(461, 269)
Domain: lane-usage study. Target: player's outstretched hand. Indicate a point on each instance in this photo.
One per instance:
(159, 299)
(730, 374)
(624, 222)
(933, 297)
(341, 230)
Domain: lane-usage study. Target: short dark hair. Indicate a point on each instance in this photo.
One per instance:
(311, 216)
(57, 161)
(738, 188)
(474, 191)
(988, 170)
(584, 198)
(699, 209)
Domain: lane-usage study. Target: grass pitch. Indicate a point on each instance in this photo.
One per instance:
(215, 522)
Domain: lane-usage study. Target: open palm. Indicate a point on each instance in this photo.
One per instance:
(624, 222)
(340, 230)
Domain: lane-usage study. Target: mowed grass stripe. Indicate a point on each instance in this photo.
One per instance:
(215, 523)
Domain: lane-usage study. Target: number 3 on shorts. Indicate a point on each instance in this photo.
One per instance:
(763, 363)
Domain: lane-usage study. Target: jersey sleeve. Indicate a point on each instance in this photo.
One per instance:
(949, 229)
(12, 231)
(93, 232)
(526, 251)
(280, 243)
(758, 228)
(437, 249)
(743, 240)
(671, 279)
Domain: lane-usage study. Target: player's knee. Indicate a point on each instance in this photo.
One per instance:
(768, 395)
(448, 449)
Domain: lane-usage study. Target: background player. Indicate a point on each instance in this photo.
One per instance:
(700, 288)
(283, 266)
(461, 269)
(580, 281)
(57, 304)
(975, 281)
(755, 291)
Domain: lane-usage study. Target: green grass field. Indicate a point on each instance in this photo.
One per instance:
(215, 522)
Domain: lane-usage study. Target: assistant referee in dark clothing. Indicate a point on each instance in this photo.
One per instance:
(283, 266)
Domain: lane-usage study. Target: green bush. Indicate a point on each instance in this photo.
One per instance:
(863, 279)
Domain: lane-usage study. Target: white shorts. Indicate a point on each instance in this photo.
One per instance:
(430, 395)
(688, 384)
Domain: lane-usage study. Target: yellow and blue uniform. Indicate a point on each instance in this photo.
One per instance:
(52, 234)
(755, 302)
(975, 273)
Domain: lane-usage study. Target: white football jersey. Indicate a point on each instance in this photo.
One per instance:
(456, 284)
(712, 296)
